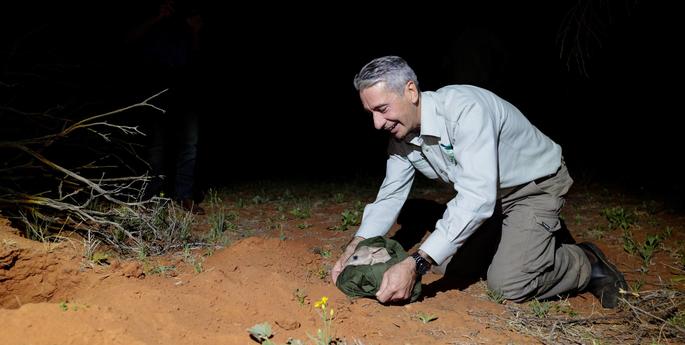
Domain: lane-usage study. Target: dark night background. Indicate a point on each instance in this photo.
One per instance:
(278, 100)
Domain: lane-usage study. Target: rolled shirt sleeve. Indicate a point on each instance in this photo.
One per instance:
(380, 215)
(475, 178)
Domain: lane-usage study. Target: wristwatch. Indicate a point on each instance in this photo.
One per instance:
(422, 265)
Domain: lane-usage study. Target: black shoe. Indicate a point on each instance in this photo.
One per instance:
(605, 280)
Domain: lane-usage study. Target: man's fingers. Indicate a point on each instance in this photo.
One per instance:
(335, 273)
(338, 267)
(382, 295)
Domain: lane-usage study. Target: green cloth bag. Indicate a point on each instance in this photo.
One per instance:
(365, 280)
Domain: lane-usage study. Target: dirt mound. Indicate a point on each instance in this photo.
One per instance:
(252, 281)
(31, 272)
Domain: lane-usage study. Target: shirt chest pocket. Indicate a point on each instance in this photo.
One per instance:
(421, 164)
(447, 152)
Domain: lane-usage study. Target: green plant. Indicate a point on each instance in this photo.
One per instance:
(63, 306)
(425, 318)
(213, 197)
(322, 272)
(261, 333)
(496, 296)
(350, 217)
(99, 258)
(668, 231)
(338, 197)
(258, 199)
(647, 249)
(565, 308)
(596, 232)
(628, 242)
(300, 296)
(162, 270)
(636, 286)
(325, 253)
(650, 206)
(301, 212)
(677, 320)
(287, 195)
(142, 252)
(192, 260)
(540, 309)
(618, 217)
(304, 225)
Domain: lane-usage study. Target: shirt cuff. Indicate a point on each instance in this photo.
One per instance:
(438, 247)
(367, 230)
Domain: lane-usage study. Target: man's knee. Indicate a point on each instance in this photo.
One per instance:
(514, 286)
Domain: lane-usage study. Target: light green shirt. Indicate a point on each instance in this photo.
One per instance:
(477, 142)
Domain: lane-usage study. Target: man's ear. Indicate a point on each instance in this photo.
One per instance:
(412, 92)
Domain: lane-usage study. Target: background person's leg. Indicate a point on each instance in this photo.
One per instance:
(186, 161)
(156, 152)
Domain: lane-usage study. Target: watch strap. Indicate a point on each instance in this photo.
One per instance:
(422, 265)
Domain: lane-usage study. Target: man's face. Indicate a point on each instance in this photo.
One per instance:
(398, 114)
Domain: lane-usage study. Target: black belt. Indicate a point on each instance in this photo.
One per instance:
(546, 177)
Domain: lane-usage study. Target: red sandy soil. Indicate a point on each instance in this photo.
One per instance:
(50, 295)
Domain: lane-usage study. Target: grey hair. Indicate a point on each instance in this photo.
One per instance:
(392, 70)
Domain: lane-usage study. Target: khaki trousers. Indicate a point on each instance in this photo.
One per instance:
(529, 263)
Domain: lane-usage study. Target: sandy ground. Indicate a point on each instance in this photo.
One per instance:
(50, 295)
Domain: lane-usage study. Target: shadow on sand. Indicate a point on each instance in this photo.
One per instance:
(470, 263)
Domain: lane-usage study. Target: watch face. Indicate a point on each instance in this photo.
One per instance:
(422, 264)
(423, 267)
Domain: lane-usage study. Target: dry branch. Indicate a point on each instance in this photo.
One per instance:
(102, 206)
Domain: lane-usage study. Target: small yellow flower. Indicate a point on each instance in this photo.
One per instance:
(322, 303)
(331, 312)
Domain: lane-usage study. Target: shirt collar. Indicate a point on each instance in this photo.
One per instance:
(429, 115)
(429, 120)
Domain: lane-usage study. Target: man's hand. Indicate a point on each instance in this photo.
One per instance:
(349, 250)
(398, 282)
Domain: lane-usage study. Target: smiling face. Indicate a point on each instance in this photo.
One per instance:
(397, 113)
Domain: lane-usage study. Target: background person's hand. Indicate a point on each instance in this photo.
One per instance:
(340, 264)
(166, 9)
(398, 282)
(195, 23)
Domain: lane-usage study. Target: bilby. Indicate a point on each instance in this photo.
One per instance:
(366, 255)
